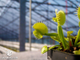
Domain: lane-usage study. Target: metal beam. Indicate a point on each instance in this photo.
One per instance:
(9, 7)
(72, 12)
(30, 24)
(73, 3)
(22, 25)
(5, 25)
(51, 4)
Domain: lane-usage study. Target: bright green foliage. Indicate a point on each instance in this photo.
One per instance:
(69, 38)
(69, 43)
(79, 23)
(61, 36)
(54, 47)
(51, 34)
(77, 39)
(77, 52)
(78, 12)
(37, 34)
(41, 27)
(55, 19)
(60, 17)
(78, 44)
(56, 38)
(40, 30)
(69, 32)
(44, 49)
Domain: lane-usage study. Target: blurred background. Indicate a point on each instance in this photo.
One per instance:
(18, 16)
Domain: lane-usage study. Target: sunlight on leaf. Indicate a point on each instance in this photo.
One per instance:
(37, 34)
(54, 47)
(69, 32)
(54, 19)
(78, 43)
(55, 38)
(77, 52)
(41, 27)
(79, 23)
(61, 18)
(44, 49)
(78, 12)
(61, 36)
(51, 34)
(78, 37)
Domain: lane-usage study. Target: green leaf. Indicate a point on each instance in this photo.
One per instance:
(55, 38)
(78, 43)
(77, 52)
(70, 38)
(51, 34)
(79, 23)
(67, 39)
(54, 47)
(77, 39)
(61, 18)
(44, 49)
(61, 36)
(37, 34)
(41, 27)
(54, 19)
(69, 32)
(78, 12)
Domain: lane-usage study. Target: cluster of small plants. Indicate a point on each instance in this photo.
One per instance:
(69, 44)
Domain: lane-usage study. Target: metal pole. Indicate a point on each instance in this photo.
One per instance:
(30, 24)
(22, 25)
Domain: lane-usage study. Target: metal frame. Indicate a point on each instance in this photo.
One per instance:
(34, 9)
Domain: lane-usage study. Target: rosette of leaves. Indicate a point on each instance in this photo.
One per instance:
(41, 29)
(69, 43)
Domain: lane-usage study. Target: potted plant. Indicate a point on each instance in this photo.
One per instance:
(68, 48)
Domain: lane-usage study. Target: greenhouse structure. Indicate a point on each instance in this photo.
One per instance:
(17, 18)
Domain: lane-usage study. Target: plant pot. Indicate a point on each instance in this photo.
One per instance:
(59, 55)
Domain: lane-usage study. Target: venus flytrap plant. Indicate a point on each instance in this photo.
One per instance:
(70, 37)
(78, 34)
(40, 30)
(78, 38)
(44, 49)
(77, 52)
(77, 42)
(78, 12)
(68, 44)
(60, 17)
